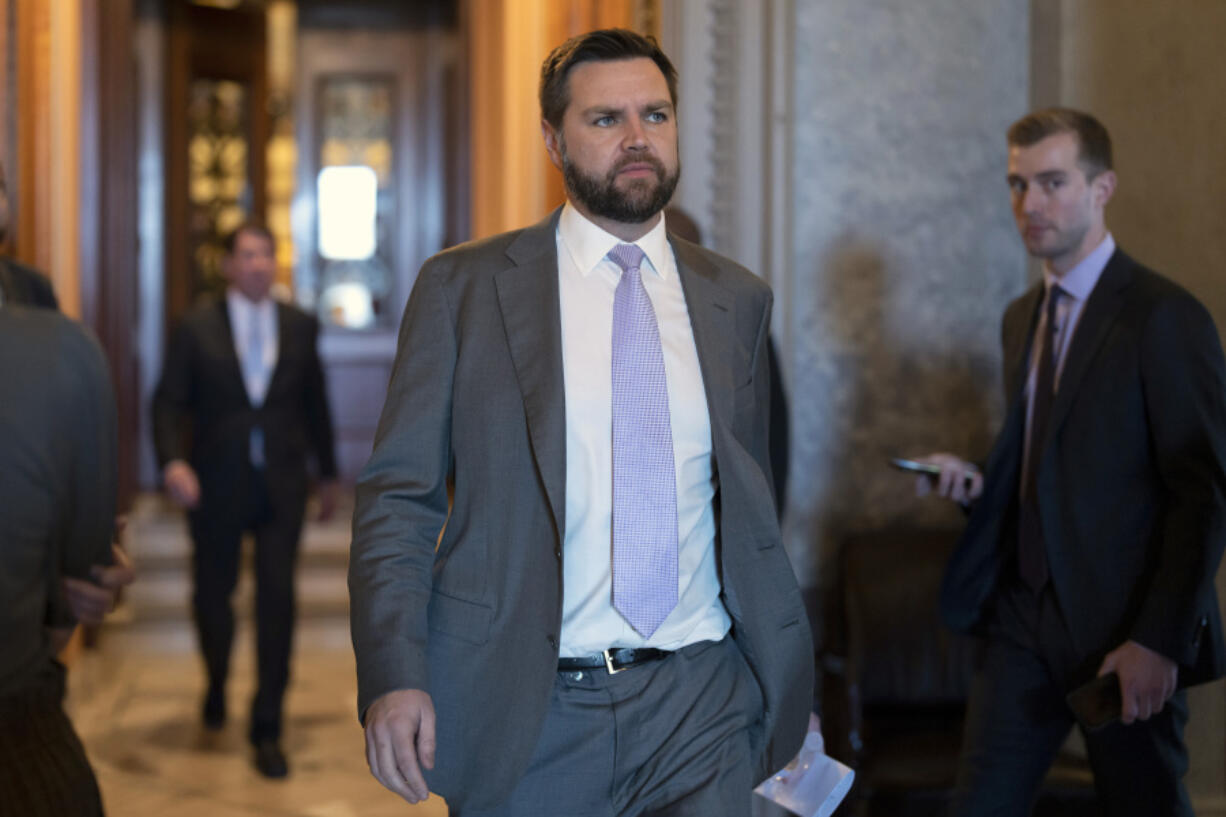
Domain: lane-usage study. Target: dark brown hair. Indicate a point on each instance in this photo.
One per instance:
(1094, 143)
(231, 239)
(596, 46)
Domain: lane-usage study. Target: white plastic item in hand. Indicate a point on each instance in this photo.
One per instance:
(812, 785)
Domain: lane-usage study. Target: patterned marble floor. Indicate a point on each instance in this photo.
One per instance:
(135, 699)
(135, 702)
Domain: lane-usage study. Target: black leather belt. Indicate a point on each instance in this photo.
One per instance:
(614, 660)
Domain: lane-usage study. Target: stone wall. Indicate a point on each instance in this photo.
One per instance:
(904, 251)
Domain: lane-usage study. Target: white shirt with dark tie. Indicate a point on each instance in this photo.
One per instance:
(254, 326)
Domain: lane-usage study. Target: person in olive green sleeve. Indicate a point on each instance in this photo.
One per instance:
(57, 510)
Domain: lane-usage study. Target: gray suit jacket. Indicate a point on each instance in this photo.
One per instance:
(476, 400)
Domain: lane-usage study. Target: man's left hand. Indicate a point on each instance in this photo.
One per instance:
(90, 601)
(1147, 679)
(327, 499)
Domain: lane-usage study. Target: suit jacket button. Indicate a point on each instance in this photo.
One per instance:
(1200, 631)
(553, 642)
(558, 553)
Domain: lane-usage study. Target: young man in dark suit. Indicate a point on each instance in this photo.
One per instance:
(1099, 521)
(609, 624)
(243, 379)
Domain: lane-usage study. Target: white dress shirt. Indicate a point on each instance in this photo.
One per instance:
(244, 316)
(587, 280)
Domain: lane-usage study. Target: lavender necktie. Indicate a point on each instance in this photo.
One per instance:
(644, 483)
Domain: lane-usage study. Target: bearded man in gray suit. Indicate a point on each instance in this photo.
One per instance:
(603, 620)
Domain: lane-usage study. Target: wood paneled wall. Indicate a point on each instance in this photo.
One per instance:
(69, 148)
(513, 183)
(8, 118)
(48, 65)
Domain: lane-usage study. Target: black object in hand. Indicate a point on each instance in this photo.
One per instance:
(1097, 703)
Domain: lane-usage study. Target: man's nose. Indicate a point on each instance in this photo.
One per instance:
(635, 137)
(1032, 200)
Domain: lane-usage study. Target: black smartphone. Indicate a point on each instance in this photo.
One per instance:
(1097, 703)
(916, 467)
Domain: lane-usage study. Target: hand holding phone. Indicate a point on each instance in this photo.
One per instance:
(1097, 703)
(953, 478)
(916, 467)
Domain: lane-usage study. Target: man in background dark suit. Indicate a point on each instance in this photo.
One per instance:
(1100, 519)
(243, 378)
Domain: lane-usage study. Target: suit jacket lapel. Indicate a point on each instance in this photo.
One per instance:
(282, 344)
(1021, 339)
(528, 299)
(1098, 317)
(711, 318)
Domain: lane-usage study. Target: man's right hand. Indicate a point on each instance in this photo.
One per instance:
(181, 484)
(960, 480)
(400, 741)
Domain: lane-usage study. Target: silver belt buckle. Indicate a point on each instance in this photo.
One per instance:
(608, 663)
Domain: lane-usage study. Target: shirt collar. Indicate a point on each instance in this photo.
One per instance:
(588, 244)
(240, 303)
(1080, 280)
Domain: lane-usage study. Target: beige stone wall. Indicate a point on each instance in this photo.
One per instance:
(903, 255)
(1156, 75)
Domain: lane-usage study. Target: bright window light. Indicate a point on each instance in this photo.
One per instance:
(347, 203)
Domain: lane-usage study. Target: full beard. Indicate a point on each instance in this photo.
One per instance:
(601, 197)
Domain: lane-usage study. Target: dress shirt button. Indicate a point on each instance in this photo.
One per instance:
(558, 553)
(553, 642)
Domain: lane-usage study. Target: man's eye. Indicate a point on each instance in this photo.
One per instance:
(657, 117)
(604, 121)
(1017, 187)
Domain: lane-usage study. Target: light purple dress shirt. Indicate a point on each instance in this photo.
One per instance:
(1077, 284)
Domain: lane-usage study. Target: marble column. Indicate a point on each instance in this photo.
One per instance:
(853, 155)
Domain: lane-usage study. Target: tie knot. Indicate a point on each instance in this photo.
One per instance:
(1054, 295)
(626, 256)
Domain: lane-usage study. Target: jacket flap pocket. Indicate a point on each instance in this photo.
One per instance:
(465, 620)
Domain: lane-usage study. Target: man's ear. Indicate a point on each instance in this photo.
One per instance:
(1103, 187)
(553, 143)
